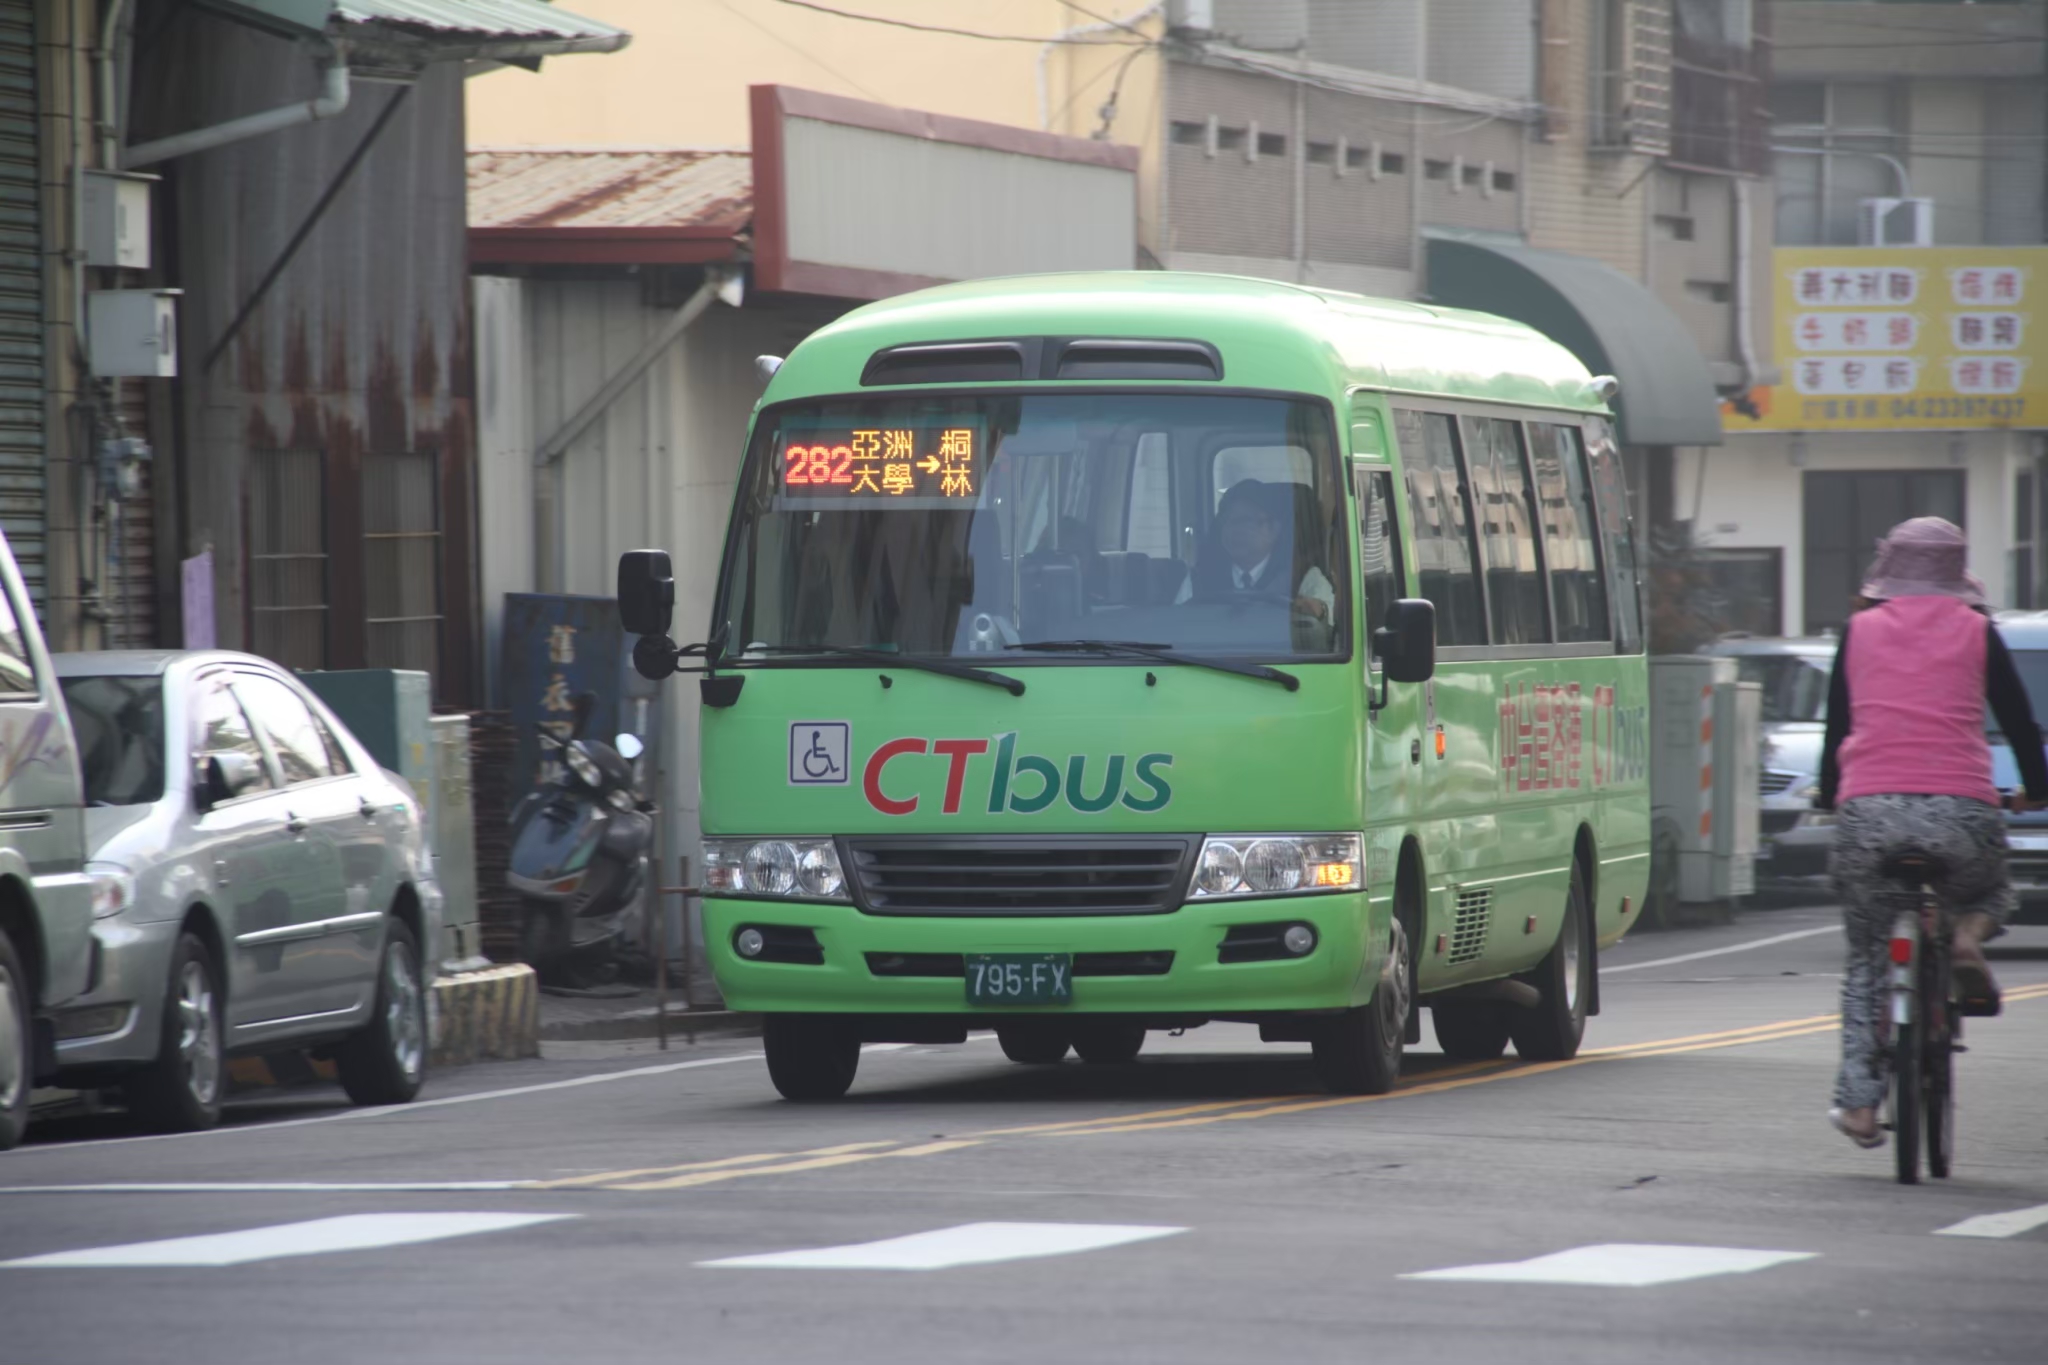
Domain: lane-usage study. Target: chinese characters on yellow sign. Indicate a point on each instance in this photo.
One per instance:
(919, 466)
(1906, 338)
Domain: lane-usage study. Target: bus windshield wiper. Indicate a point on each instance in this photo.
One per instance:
(1164, 654)
(1014, 686)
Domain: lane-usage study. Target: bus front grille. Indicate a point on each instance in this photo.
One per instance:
(1019, 874)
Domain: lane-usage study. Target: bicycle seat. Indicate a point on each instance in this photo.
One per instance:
(1912, 866)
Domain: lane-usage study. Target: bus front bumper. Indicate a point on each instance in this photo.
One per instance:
(1161, 964)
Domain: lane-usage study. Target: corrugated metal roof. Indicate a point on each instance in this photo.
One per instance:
(483, 18)
(531, 188)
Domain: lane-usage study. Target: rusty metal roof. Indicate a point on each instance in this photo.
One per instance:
(531, 19)
(614, 205)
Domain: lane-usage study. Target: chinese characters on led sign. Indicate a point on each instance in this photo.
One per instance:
(926, 466)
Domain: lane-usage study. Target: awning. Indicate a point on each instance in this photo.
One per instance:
(1612, 324)
(647, 206)
(397, 37)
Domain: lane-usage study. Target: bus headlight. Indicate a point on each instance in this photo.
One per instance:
(802, 869)
(1278, 865)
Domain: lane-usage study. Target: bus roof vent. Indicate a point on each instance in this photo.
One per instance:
(950, 362)
(1116, 358)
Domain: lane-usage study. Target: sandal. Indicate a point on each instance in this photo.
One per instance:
(1873, 1137)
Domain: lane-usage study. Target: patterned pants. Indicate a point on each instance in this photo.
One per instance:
(1969, 838)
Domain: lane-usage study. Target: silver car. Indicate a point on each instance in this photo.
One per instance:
(259, 883)
(1792, 839)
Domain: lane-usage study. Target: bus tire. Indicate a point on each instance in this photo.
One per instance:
(1109, 1044)
(1358, 1052)
(1471, 1030)
(1551, 1031)
(1033, 1044)
(811, 1057)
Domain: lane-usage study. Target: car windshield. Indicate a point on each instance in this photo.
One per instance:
(971, 526)
(119, 722)
(1795, 686)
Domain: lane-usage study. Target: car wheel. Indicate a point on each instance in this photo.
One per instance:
(17, 1056)
(384, 1061)
(180, 1090)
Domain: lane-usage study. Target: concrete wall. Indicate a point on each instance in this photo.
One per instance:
(1751, 493)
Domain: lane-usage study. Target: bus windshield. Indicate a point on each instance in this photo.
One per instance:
(974, 525)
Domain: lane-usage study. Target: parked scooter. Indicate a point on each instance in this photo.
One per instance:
(579, 856)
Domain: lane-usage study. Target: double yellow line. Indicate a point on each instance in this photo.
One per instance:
(689, 1175)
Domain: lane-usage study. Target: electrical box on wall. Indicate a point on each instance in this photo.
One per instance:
(133, 332)
(117, 218)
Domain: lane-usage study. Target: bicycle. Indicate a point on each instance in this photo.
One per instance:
(1924, 1024)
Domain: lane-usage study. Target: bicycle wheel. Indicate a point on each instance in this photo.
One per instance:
(1907, 1097)
(1938, 1081)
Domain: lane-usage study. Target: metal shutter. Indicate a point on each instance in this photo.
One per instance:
(21, 298)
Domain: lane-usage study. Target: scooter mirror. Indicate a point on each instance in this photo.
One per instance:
(629, 747)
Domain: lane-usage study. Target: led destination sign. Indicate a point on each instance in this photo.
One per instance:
(939, 464)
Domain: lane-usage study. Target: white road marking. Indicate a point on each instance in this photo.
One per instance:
(2010, 1224)
(279, 1187)
(1717, 952)
(968, 1244)
(1620, 1264)
(351, 1232)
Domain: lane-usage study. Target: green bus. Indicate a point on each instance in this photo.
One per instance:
(1102, 653)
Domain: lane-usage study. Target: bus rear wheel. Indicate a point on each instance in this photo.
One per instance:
(1551, 1031)
(1471, 1030)
(1033, 1044)
(1109, 1044)
(1358, 1052)
(810, 1056)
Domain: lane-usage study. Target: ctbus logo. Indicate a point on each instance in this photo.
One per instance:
(1023, 784)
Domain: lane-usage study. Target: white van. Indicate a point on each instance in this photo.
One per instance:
(46, 910)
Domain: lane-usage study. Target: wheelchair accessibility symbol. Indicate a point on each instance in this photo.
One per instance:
(817, 752)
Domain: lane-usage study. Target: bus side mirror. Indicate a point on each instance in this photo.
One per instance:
(647, 592)
(1406, 644)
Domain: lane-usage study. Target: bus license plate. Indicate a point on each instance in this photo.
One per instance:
(1020, 978)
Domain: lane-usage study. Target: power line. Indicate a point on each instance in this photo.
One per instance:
(820, 62)
(959, 32)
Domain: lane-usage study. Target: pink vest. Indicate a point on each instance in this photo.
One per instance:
(1916, 702)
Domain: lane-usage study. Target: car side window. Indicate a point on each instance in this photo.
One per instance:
(293, 731)
(17, 674)
(337, 757)
(223, 728)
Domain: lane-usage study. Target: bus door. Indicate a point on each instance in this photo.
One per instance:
(1395, 743)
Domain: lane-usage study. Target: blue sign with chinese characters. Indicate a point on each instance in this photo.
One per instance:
(557, 646)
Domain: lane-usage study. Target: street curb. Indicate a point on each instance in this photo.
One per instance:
(686, 1024)
(491, 1015)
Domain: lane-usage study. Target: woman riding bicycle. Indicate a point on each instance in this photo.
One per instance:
(1907, 760)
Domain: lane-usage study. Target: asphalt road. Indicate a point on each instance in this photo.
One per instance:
(1204, 1204)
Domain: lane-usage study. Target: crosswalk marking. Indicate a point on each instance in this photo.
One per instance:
(1621, 1264)
(2010, 1224)
(968, 1244)
(351, 1232)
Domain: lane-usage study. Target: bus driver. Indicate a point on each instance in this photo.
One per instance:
(1245, 553)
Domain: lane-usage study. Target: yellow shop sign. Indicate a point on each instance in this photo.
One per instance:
(1905, 338)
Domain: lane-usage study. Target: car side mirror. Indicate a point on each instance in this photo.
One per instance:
(647, 592)
(225, 775)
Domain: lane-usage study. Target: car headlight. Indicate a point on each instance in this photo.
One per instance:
(113, 889)
(1278, 865)
(583, 766)
(803, 869)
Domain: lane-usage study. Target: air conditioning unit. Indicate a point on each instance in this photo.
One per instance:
(1895, 222)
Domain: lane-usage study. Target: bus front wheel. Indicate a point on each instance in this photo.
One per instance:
(810, 1056)
(1358, 1052)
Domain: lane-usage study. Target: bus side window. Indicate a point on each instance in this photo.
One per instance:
(1565, 501)
(1500, 497)
(1379, 547)
(1441, 522)
(1610, 492)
